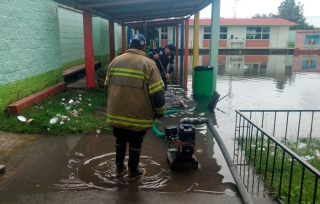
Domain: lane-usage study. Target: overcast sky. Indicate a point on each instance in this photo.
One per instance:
(248, 8)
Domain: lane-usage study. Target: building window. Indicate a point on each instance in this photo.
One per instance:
(207, 33)
(223, 32)
(164, 33)
(258, 33)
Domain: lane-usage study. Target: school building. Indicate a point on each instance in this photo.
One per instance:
(237, 33)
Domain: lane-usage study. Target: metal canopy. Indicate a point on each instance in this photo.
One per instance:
(136, 13)
(156, 23)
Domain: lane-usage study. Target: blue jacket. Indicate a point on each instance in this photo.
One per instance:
(165, 60)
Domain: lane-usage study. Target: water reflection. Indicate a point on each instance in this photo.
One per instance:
(262, 65)
(260, 82)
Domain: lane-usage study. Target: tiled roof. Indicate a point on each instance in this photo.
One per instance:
(247, 21)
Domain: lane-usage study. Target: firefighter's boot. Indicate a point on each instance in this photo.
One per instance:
(134, 171)
(121, 168)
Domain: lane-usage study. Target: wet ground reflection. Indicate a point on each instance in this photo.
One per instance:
(92, 161)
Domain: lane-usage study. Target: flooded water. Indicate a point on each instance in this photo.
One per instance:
(275, 82)
(248, 82)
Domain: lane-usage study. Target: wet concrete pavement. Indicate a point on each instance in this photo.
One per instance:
(80, 169)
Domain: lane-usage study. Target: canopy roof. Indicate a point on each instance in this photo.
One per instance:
(135, 13)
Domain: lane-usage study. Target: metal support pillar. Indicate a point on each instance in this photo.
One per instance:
(181, 54)
(129, 34)
(145, 30)
(173, 35)
(177, 55)
(186, 55)
(111, 40)
(88, 49)
(214, 41)
(195, 43)
(123, 34)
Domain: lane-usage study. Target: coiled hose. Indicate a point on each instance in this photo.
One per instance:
(154, 127)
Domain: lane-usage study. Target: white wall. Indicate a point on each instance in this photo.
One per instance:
(237, 31)
(274, 36)
(170, 35)
(278, 34)
(171, 40)
(283, 36)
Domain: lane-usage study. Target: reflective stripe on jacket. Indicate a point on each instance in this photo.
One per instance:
(132, 80)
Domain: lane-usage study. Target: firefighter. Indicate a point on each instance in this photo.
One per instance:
(164, 56)
(135, 98)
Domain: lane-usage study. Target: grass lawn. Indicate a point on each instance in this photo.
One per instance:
(271, 162)
(59, 115)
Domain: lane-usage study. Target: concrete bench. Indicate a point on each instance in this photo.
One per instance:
(77, 69)
(18, 106)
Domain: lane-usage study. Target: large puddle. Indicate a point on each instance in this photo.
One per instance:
(92, 165)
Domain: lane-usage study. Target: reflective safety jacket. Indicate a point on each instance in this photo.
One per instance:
(135, 95)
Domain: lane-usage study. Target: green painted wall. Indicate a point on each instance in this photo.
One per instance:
(71, 37)
(96, 36)
(101, 40)
(38, 40)
(29, 48)
(118, 37)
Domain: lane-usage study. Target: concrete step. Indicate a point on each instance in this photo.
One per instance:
(16, 107)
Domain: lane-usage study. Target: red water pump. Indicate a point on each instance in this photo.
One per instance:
(181, 150)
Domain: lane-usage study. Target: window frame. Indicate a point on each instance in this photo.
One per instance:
(207, 33)
(164, 33)
(258, 33)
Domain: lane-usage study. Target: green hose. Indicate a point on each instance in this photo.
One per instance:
(154, 127)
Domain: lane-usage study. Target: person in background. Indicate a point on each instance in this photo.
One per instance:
(135, 98)
(164, 56)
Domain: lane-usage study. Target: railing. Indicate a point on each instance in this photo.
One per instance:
(286, 174)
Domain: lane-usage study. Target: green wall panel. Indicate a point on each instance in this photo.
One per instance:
(104, 36)
(38, 40)
(71, 37)
(96, 35)
(29, 39)
(29, 48)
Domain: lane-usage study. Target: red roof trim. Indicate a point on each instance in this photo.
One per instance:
(248, 21)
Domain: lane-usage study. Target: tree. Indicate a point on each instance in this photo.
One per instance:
(270, 15)
(290, 11)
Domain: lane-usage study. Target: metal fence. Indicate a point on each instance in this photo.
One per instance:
(261, 148)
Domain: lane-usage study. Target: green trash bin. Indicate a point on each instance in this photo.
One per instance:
(203, 81)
